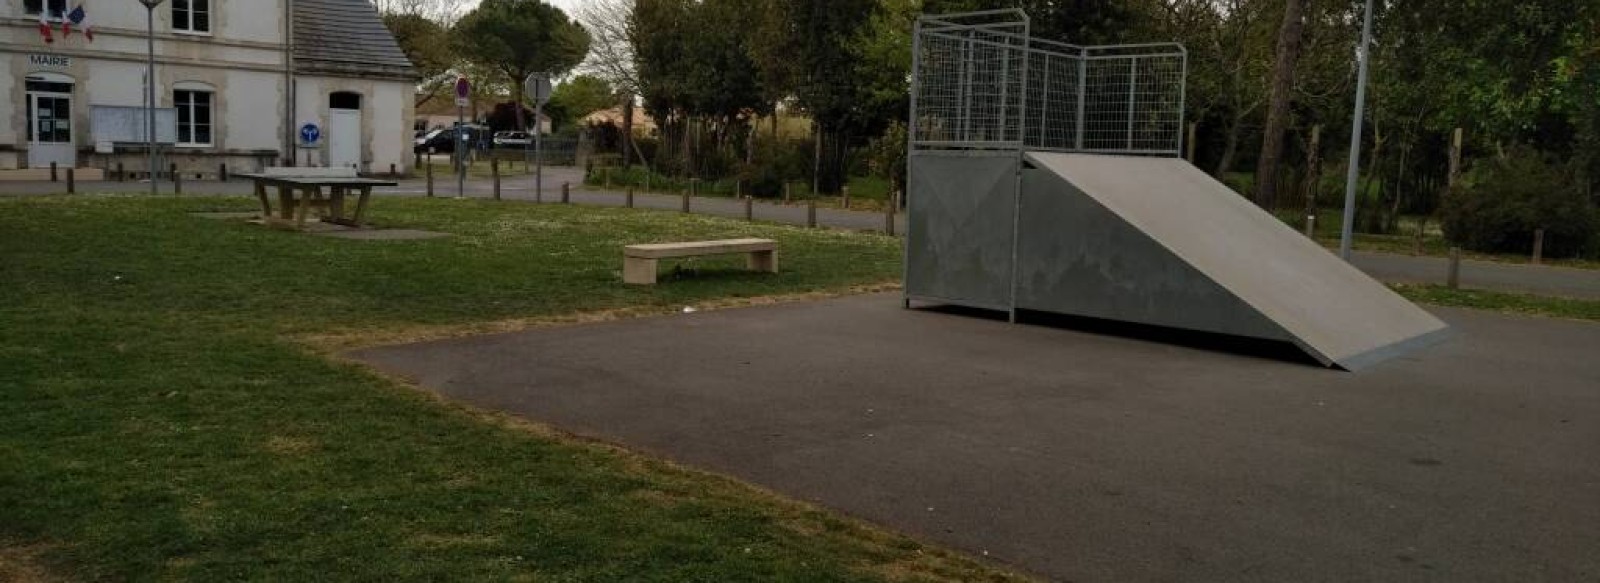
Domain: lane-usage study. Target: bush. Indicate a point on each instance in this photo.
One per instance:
(1500, 204)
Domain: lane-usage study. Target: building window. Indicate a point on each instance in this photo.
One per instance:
(56, 7)
(194, 117)
(191, 15)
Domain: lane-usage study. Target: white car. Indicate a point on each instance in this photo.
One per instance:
(512, 139)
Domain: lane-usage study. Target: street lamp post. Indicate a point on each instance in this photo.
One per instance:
(150, 88)
(1353, 173)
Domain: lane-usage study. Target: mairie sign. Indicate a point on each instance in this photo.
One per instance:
(310, 134)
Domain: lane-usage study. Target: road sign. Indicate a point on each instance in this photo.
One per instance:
(310, 134)
(463, 92)
(537, 88)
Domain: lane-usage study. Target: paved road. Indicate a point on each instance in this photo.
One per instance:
(1538, 279)
(1543, 280)
(1084, 457)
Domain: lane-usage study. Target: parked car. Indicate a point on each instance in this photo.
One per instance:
(512, 140)
(443, 140)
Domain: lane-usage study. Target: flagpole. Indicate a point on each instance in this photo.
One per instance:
(150, 88)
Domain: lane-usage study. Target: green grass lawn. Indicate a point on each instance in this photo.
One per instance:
(1533, 305)
(165, 416)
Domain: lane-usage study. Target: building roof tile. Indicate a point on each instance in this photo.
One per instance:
(345, 38)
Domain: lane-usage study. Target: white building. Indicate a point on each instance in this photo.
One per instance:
(223, 71)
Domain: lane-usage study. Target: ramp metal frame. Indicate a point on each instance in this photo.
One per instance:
(1045, 176)
(984, 91)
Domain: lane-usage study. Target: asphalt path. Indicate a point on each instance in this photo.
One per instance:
(1082, 456)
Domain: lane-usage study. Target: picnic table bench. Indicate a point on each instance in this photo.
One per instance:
(301, 189)
(639, 261)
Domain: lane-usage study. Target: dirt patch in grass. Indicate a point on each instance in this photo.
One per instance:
(24, 564)
(346, 340)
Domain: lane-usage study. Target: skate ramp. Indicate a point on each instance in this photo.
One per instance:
(1157, 241)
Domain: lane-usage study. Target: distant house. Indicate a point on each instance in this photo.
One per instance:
(236, 81)
(643, 124)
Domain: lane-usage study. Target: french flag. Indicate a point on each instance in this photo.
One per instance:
(44, 26)
(79, 18)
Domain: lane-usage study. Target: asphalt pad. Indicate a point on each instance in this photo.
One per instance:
(1082, 455)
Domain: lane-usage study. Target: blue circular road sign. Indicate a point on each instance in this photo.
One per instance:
(310, 134)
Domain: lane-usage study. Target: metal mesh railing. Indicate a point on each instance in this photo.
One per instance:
(988, 85)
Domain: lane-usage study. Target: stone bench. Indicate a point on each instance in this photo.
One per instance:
(639, 261)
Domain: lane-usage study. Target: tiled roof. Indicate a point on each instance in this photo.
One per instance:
(346, 38)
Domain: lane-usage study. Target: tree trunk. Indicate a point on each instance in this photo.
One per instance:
(627, 132)
(1278, 108)
(517, 98)
(1313, 169)
(1230, 149)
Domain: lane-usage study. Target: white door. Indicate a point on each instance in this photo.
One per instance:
(344, 138)
(50, 130)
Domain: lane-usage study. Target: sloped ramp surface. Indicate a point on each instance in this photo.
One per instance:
(1157, 241)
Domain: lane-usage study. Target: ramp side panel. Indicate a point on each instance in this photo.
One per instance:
(960, 223)
(1078, 258)
(1325, 303)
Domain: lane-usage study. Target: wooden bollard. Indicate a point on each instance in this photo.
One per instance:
(788, 192)
(844, 191)
(222, 172)
(566, 193)
(53, 172)
(494, 175)
(429, 171)
(888, 213)
(72, 182)
(629, 202)
(1538, 246)
(811, 212)
(749, 208)
(121, 175)
(177, 180)
(686, 196)
(1453, 278)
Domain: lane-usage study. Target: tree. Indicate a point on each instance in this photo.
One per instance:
(579, 96)
(611, 58)
(827, 34)
(443, 12)
(516, 38)
(1282, 89)
(426, 44)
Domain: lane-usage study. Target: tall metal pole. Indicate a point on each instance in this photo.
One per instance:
(461, 151)
(1347, 231)
(538, 147)
(150, 88)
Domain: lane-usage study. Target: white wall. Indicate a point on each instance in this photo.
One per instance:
(11, 96)
(386, 116)
(391, 132)
(255, 106)
(115, 83)
(245, 20)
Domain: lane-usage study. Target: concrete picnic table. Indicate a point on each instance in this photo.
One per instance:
(309, 184)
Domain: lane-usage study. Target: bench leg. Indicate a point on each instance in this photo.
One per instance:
(638, 271)
(361, 206)
(763, 261)
(336, 204)
(266, 205)
(285, 203)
